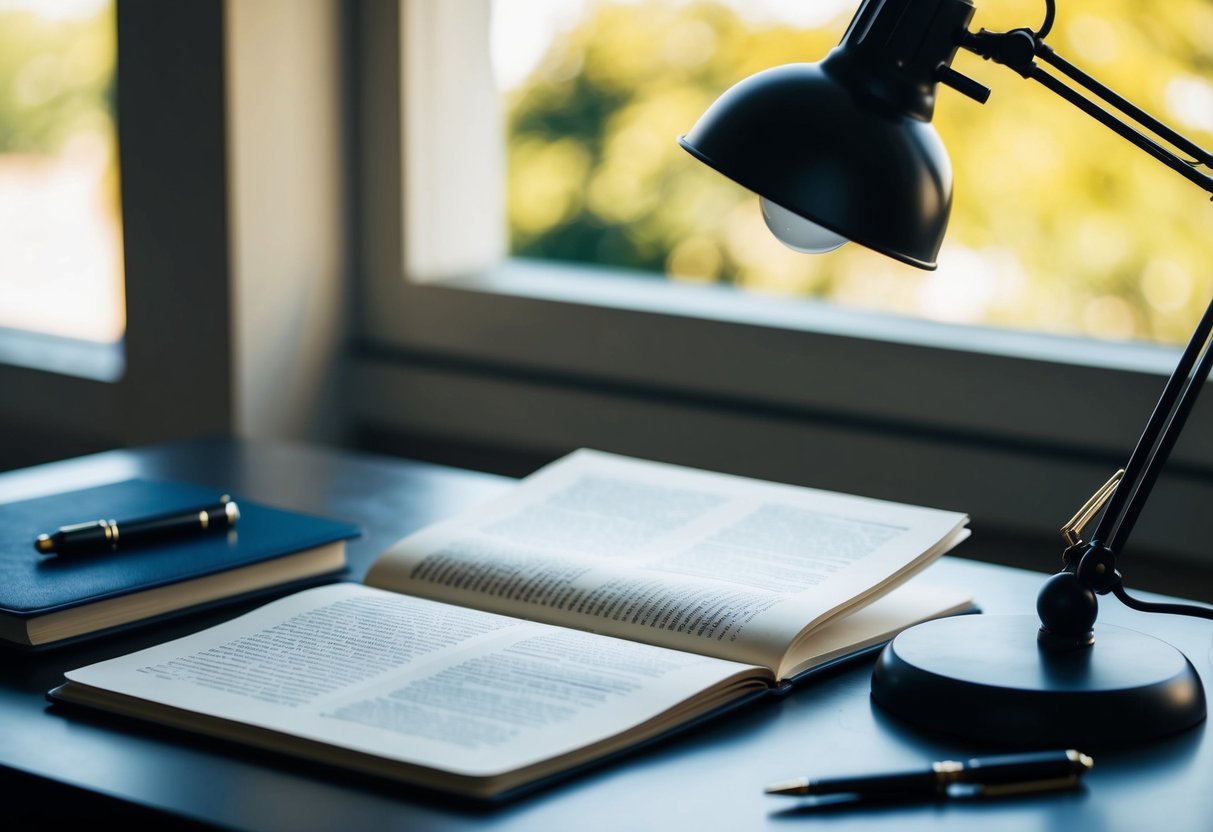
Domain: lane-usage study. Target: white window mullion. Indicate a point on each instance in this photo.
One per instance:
(452, 128)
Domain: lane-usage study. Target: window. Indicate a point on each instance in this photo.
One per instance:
(1058, 225)
(169, 373)
(60, 224)
(61, 249)
(468, 345)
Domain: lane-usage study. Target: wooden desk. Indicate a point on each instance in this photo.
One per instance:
(63, 766)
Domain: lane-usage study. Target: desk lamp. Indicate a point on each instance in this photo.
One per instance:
(844, 149)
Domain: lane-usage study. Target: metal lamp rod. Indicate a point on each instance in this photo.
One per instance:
(1018, 49)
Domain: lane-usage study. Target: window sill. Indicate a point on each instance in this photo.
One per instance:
(62, 356)
(597, 286)
(716, 346)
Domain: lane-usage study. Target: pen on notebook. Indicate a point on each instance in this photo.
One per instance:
(97, 536)
(979, 777)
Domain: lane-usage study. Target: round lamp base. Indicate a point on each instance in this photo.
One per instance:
(985, 678)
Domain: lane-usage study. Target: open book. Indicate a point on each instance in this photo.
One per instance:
(600, 603)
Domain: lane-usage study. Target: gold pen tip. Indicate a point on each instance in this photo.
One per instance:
(800, 785)
(44, 544)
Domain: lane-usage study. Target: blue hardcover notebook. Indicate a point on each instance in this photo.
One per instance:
(46, 600)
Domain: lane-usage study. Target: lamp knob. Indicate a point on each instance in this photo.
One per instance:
(1097, 568)
(1067, 611)
(962, 84)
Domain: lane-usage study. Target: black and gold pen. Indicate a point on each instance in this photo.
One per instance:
(978, 777)
(96, 536)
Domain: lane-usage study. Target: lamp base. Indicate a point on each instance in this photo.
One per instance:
(985, 678)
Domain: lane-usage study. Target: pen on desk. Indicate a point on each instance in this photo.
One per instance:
(979, 777)
(97, 536)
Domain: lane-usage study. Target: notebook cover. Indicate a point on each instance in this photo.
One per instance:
(35, 584)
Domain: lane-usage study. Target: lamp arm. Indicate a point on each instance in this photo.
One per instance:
(1184, 144)
(1018, 49)
(1093, 564)
(1163, 428)
(1181, 166)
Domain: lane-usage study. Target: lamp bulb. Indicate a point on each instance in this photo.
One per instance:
(796, 232)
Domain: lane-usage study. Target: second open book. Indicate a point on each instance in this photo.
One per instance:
(600, 603)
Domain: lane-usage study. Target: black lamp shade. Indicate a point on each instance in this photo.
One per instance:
(801, 138)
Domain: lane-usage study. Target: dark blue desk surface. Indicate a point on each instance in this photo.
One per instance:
(62, 765)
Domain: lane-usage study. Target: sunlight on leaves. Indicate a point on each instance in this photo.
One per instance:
(1058, 224)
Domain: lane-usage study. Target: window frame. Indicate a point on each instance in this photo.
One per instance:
(1015, 428)
(172, 377)
(232, 151)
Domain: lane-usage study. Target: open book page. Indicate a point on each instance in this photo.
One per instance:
(726, 566)
(873, 624)
(418, 684)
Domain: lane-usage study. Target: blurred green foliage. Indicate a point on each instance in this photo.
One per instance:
(1057, 225)
(61, 265)
(56, 79)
